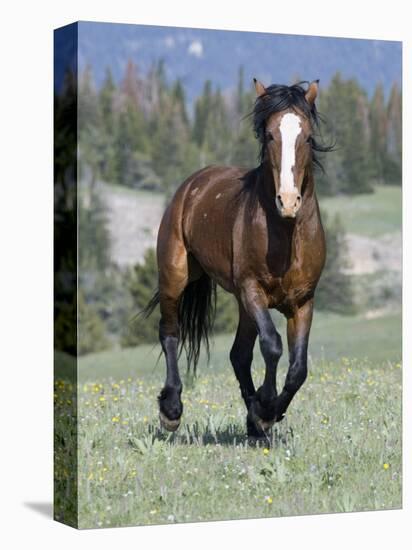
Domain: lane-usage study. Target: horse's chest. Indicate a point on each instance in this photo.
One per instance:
(291, 289)
(284, 296)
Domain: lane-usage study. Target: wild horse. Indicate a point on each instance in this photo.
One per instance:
(258, 234)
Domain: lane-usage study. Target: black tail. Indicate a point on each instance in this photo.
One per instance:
(151, 306)
(196, 313)
(197, 309)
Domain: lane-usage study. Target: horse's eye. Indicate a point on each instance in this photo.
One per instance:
(269, 137)
(309, 140)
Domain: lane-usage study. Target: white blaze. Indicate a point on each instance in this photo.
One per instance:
(289, 129)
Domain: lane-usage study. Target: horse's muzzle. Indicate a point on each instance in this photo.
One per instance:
(288, 203)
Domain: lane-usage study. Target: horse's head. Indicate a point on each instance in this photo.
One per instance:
(284, 120)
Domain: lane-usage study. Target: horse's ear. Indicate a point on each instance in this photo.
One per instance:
(312, 92)
(260, 89)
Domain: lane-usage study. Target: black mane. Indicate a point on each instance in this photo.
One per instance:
(279, 97)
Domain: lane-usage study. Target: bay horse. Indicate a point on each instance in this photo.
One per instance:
(258, 234)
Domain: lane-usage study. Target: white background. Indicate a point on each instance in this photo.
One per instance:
(26, 205)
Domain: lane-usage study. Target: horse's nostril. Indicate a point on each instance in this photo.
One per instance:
(280, 200)
(298, 199)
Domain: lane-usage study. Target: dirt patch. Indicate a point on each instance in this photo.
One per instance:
(367, 255)
(133, 222)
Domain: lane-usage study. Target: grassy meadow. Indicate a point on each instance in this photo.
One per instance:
(369, 215)
(338, 449)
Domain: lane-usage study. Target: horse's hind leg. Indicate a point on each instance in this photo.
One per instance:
(173, 278)
(241, 356)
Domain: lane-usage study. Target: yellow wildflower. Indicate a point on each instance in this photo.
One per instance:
(115, 419)
(265, 452)
(386, 466)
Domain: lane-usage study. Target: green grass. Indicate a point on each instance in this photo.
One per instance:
(371, 215)
(339, 448)
(332, 337)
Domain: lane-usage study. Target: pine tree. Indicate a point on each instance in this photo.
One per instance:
(356, 163)
(91, 136)
(179, 98)
(378, 124)
(91, 329)
(245, 148)
(344, 105)
(217, 134)
(132, 85)
(203, 106)
(174, 157)
(142, 283)
(106, 100)
(130, 132)
(393, 161)
(93, 234)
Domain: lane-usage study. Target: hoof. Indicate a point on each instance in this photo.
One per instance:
(256, 433)
(264, 425)
(255, 414)
(169, 425)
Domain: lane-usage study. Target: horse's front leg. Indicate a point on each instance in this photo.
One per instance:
(241, 356)
(262, 410)
(298, 329)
